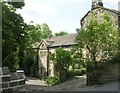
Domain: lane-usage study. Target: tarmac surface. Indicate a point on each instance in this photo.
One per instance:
(78, 84)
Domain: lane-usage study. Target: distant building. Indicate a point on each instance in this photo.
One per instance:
(48, 46)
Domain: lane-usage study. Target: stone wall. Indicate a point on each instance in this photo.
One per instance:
(102, 73)
(99, 11)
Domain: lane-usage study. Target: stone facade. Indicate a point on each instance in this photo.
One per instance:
(99, 11)
(96, 12)
(47, 47)
(102, 72)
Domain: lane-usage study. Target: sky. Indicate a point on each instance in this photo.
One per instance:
(60, 15)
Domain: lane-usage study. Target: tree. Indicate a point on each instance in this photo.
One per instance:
(34, 34)
(61, 60)
(46, 32)
(13, 32)
(18, 39)
(99, 39)
(61, 33)
(76, 58)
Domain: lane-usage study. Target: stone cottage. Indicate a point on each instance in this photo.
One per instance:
(98, 9)
(47, 47)
(103, 73)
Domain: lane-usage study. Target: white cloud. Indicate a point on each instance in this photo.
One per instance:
(48, 11)
(45, 9)
(111, 0)
(77, 1)
(36, 11)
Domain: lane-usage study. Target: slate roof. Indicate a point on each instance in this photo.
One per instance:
(57, 41)
(69, 39)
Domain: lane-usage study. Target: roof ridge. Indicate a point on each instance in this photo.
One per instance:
(113, 10)
(65, 35)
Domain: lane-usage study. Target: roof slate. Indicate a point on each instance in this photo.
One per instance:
(62, 40)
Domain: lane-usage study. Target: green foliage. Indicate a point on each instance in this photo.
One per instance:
(18, 39)
(50, 81)
(61, 33)
(38, 32)
(99, 38)
(61, 60)
(16, 4)
(13, 36)
(76, 56)
(46, 32)
(34, 34)
(76, 72)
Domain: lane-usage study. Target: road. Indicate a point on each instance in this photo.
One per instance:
(76, 84)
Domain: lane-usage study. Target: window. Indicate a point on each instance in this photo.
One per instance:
(43, 53)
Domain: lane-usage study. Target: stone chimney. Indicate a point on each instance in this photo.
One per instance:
(96, 3)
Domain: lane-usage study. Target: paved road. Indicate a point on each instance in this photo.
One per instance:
(34, 84)
(76, 84)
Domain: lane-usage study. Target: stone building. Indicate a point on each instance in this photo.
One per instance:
(48, 46)
(98, 8)
(102, 73)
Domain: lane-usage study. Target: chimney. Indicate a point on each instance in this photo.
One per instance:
(96, 3)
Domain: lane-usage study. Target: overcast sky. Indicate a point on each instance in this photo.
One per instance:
(60, 15)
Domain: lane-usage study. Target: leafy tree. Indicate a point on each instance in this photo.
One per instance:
(99, 39)
(46, 32)
(61, 60)
(38, 32)
(16, 4)
(61, 33)
(13, 32)
(76, 58)
(34, 35)
(18, 38)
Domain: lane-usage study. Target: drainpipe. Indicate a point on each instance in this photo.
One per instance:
(37, 67)
(47, 61)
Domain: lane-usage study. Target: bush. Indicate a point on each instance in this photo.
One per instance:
(50, 81)
(76, 72)
(83, 71)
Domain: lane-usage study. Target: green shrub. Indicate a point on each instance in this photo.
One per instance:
(50, 81)
(76, 72)
(83, 71)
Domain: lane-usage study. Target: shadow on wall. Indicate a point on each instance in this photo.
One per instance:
(42, 73)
